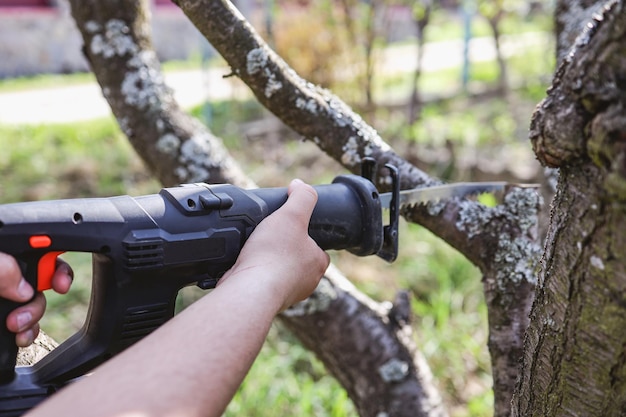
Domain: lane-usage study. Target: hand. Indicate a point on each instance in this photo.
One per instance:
(24, 320)
(281, 249)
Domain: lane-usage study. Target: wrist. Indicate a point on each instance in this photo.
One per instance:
(256, 284)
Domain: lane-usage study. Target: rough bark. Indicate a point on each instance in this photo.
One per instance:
(570, 18)
(574, 361)
(40, 348)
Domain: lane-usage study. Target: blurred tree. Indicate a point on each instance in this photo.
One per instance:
(494, 11)
(420, 13)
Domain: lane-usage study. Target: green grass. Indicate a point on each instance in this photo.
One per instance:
(68, 160)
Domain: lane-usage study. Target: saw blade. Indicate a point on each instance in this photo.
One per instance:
(440, 192)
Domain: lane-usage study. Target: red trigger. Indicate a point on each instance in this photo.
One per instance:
(45, 270)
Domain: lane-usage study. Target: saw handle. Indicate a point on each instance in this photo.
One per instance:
(8, 347)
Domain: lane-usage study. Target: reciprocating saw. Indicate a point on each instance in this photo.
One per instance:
(145, 249)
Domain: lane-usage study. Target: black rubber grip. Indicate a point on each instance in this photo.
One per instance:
(347, 215)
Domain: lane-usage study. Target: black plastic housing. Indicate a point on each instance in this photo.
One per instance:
(145, 249)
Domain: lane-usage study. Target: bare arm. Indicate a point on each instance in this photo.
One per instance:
(193, 365)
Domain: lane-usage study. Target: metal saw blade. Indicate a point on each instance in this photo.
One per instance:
(440, 192)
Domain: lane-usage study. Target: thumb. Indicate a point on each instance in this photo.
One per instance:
(302, 199)
(12, 285)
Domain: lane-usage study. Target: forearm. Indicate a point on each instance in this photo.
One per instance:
(220, 335)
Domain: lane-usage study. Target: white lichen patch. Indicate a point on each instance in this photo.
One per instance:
(596, 262)
(435, 208)
(194, 153)
(198, 155)
(181, 174)
(160, 125)
(393, 370)
(272, 86)
(473, 218)
(115, 40)
(516, 259)
(125, 126)
(168, 144)
(351, 156)
(92, 26)
(309, 105)
(256, 60)
(144, 87)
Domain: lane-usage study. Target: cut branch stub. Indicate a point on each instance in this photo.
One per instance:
(585, 86)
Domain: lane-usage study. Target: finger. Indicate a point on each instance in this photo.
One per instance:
(63, 277)
(302, 199)
(12, 285)
(27, 337)
(25, 317)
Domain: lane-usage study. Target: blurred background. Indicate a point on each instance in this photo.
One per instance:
(451, 85)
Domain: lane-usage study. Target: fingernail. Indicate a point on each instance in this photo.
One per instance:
(23, 320)
(25, 290)
(25, 339)
(298, 181)
(67, 270)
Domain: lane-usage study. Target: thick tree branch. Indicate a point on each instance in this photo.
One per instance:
(175, 146)
(574, 361)
(370, 350)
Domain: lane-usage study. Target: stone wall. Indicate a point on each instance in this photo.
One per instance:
(45, 40)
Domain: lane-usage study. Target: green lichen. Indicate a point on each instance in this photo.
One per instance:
(517, 251)
(394, 370)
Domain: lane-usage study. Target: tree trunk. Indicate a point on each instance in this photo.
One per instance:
(575, 350)
(503, 78)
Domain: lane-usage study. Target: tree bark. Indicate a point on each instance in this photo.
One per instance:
(574, 361)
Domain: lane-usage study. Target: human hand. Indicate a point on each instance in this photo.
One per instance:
(281, 251)
(24, 320)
